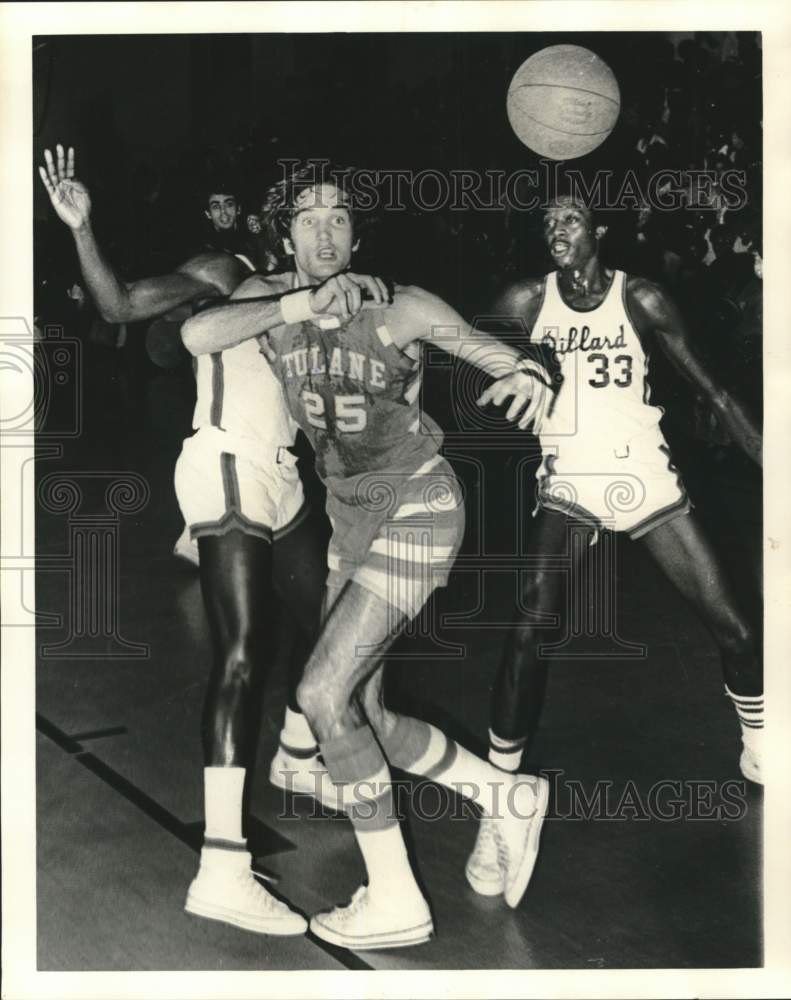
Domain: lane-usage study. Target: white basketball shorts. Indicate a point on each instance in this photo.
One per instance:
(633, 487)
(221, 487)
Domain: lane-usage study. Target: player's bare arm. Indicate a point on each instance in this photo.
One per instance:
(520, 303)
(418, 315)
(261, 304)
(653, 311)
(207, 275)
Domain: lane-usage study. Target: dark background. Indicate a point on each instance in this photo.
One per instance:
(156, 118)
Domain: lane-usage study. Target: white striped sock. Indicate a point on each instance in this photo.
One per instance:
(506, 754)
(749, 711)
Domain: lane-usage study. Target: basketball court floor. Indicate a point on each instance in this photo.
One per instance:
(622, 881)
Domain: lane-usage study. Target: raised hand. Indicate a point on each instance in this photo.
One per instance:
(343, 295)
(69, 197)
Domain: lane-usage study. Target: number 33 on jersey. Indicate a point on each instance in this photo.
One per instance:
(603, 364)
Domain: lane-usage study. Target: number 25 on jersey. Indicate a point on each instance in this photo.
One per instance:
(350, 413)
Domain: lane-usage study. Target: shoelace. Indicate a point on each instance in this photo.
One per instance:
(503, 854)
(259, 894)
(487, 844)
(343, 913)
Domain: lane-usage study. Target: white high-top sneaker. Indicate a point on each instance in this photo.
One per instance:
(518, 832)
(484, 871)
(226, 889)
(367, 922)
(750, 760)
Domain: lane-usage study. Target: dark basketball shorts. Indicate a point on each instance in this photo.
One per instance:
(398, 534)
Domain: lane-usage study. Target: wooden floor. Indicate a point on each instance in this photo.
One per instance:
(119, 765)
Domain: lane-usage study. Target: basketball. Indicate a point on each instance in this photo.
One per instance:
(563, 102)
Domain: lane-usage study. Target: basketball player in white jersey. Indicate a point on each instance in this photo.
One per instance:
(242, 499)
(607, 465)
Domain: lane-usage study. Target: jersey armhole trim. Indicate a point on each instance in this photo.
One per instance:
(541, 303)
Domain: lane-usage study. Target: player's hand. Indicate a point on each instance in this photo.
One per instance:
(69, 197)
(520, 386)
(344, 295)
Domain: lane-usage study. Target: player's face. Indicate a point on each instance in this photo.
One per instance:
(569, 234)
(222, 211)
(322, 236)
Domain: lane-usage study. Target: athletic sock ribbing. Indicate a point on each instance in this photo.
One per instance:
(750, 712)
(506, 754)
(420, 748)
(356, 763)
(296, 736)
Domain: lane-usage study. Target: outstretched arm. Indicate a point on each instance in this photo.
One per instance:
(653, 310)
(419, 315)
(260, 305)
(206, 276)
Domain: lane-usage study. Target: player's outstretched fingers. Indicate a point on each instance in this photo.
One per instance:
(495, 394)
(52, 173)
(527, 417)
(61, 162)
(46, 181)
(520, 401)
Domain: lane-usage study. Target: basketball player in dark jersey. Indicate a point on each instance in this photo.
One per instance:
(242, 499)
(606, 465)
(351, 374)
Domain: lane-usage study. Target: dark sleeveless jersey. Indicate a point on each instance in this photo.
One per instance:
(356, 397)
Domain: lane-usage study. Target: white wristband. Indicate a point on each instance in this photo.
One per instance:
(295, 307)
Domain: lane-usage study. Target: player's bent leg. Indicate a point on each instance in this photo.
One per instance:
(686, 556)
(519, 687)
(518, 692)
(299, 575)
(513, 807)
(391, 911)
(236, 582)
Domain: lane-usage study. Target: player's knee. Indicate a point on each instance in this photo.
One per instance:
(238, 668)
(318, 697)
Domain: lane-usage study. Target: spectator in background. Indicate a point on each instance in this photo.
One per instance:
(222, 210)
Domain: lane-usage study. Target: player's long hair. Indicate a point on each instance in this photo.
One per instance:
(280, 200)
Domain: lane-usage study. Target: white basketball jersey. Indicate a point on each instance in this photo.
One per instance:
(237, 393)
(604, 396)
